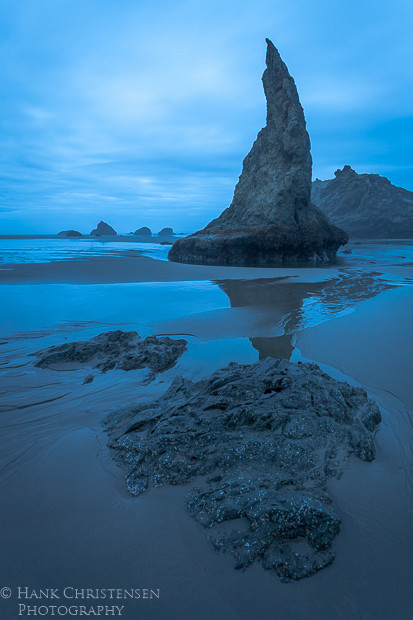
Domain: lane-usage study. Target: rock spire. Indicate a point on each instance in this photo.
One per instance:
(271, 219)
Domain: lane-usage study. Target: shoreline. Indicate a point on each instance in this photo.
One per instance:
(133, 265)
(123, 269)
(102, 238)
(65, 498)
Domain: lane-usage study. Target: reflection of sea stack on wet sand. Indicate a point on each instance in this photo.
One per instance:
(280, 299)
(288, 307)
(271, 219)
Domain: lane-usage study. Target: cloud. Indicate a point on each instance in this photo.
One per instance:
(141, 110)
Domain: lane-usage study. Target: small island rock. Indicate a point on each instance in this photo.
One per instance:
(102, 230)
(69, 233)
(143, 232)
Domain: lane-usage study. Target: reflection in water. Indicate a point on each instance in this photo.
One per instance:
(295, 306)
(279, 346)
(280, 299)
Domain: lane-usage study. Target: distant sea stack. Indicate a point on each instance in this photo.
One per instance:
(166, 231)
(366, 205)
(143, 232)
(271, 219)
(102, 230)
(69, 233)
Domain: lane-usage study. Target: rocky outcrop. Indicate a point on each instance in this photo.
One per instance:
(143, 232)
(366, 205)
(262, 442)
(271, 219)
(117, 349)
(69, 233)
(103, 229)
(166, 231)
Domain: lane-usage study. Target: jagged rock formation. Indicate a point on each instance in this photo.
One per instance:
(166, 231)
(103, 229)
(143, 232)
(69, 233)
(271, 219)
(261, 441)
(116, 349)
(366, 205)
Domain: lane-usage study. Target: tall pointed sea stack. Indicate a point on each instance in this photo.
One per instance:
(271, 219)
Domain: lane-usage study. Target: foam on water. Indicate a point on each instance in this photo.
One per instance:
(48, 250)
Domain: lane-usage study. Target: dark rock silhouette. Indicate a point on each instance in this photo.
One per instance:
(166, 231)
(366, 205)
(271, 219)
(103, 229)
(143, 232)
(115, 349)
(280, 346)
(69, 233)
(260, 442)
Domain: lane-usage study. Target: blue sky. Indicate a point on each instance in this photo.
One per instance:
(140, 113)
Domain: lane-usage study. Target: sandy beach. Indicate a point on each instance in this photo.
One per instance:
(67, 519)
(206, 293)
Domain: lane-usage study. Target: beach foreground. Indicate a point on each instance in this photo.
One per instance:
(67, 518)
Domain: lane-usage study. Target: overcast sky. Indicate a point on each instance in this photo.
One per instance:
(140, 112)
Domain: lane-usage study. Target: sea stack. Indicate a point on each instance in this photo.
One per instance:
(69, 233)
(143, 232)
(271, 219)
(166, 231)
(366, 205)
(103, 229)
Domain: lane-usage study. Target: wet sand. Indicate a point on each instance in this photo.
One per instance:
(105, 270)
(66, 518)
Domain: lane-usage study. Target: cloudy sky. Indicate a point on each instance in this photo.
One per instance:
(140, 112)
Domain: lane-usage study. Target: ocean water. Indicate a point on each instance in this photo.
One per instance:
(44, 250)
(208, 310)
(33, 250)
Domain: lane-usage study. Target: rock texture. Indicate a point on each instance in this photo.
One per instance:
(261, 441)
(117, 349)
(366, 205)
(143, 232)
(103, 229)
(271, 219)
(166, 231)
(69, 233)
